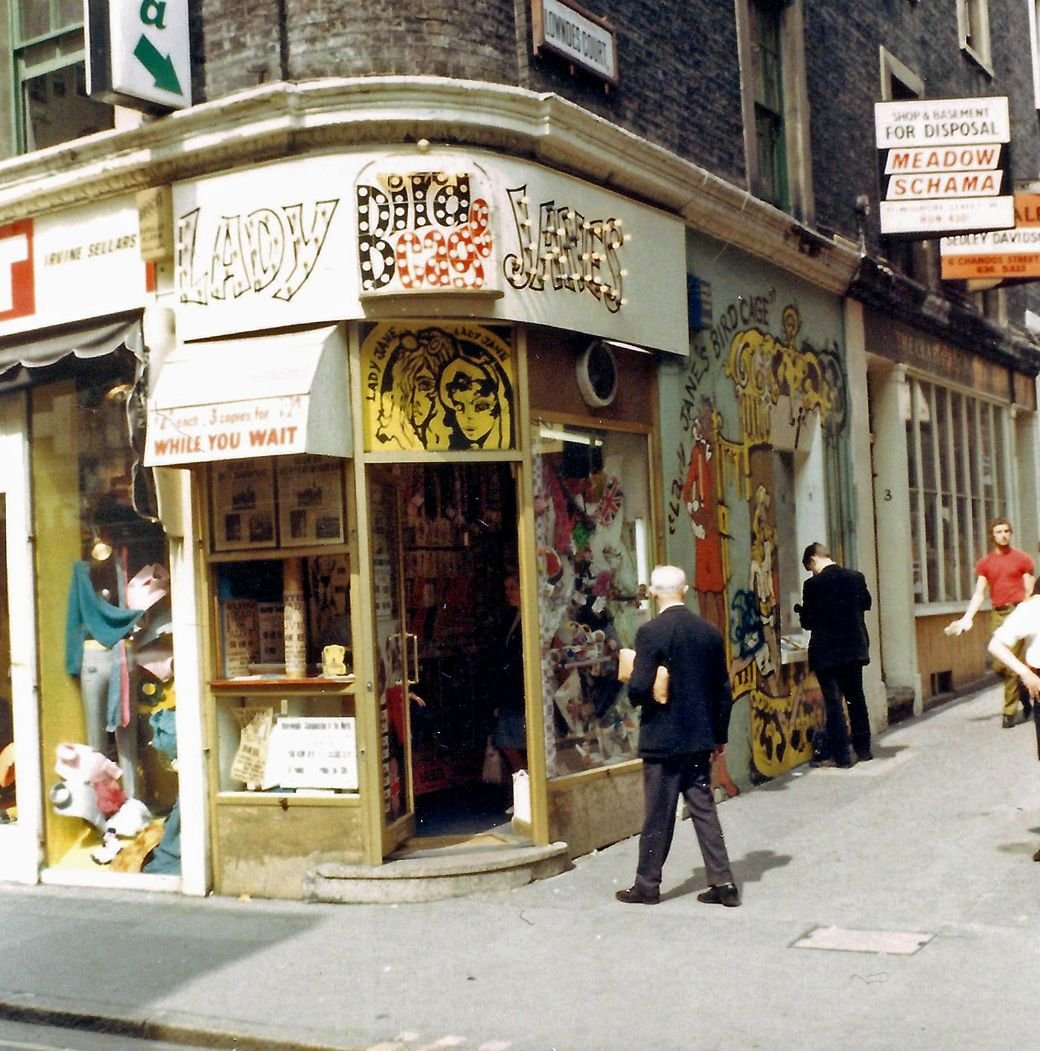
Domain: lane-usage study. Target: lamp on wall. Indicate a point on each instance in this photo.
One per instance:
(101, 549)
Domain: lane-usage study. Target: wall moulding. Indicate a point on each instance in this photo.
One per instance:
(281, 120)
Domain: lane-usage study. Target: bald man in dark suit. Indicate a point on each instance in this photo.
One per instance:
(679, 737)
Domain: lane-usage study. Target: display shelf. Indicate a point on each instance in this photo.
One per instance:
(245, 686)
(275, 554)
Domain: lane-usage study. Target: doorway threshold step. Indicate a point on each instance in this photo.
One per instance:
(434, 875)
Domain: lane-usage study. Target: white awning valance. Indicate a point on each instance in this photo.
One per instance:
(268, 395)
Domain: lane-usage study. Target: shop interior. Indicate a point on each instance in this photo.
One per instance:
(460, 561)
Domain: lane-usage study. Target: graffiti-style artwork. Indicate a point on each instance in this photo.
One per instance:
(422, 231)
(565, 251)
(724, 479)
(438, 387)
(703, 501)
(773, 375)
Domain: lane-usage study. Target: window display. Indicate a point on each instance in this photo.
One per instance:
(592, 508)
(283, 677)
(108, 695)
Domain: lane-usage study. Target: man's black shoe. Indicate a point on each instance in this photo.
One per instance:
(633, 896)
(724, 894)
(864, 757)
(1009, 721)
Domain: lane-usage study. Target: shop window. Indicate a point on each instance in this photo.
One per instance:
(957, 469)
(592, 524)
(282, 673)
(108, 696)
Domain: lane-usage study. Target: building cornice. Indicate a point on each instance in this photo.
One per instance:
(291, 119)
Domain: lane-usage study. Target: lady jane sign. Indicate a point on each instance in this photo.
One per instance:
(438, 387)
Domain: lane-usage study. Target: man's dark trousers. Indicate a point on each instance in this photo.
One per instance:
(847, 680)
(664, 780)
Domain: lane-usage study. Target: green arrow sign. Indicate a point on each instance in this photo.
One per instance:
(160, 66)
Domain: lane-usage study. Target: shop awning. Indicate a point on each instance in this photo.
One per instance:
(45, 347)
(253, 396)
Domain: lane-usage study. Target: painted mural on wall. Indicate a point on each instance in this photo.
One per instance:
(437, 387)
(751, 384)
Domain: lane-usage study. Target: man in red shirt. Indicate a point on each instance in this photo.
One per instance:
(1008, 574)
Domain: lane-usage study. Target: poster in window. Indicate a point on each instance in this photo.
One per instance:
(310, 501)
(438, 387)
(243, 505)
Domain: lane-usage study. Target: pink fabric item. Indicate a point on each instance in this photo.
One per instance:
(110, 796)
(81, 764)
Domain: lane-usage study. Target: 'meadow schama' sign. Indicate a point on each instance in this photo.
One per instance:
(944, 166)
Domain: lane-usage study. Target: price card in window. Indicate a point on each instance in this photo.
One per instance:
(313, 752)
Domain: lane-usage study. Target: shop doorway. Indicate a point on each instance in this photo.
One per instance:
(459, 549)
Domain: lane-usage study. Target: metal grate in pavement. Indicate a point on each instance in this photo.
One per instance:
(838, 939)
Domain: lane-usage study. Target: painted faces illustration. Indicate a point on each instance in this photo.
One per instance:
(476, 402)
(408, 406)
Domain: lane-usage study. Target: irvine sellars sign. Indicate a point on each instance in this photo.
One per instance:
(943, 166)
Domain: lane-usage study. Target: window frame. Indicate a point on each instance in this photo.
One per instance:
(1033, 10)
(973, 31)
(797, 198)
(62, 47)
(952, 494)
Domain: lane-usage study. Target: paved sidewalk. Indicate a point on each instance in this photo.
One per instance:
(921, 860)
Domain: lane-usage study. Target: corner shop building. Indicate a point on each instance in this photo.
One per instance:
(378, 382)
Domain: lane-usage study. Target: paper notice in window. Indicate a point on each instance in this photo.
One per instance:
(254, 735)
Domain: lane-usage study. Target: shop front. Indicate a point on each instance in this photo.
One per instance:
(956, 433)
(418, 406)
(89, 787)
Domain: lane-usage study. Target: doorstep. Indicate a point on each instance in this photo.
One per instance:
(438, 868)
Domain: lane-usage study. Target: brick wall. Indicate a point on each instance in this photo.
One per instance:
(843, 71)
(680, 83)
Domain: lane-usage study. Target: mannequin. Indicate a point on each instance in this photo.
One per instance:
(95, 652)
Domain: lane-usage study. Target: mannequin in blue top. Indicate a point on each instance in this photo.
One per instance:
(95, 631)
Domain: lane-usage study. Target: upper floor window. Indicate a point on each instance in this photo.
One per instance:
(51, 101)
(775, 104)
(973, 26)
(917, 258)
(767, 69)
